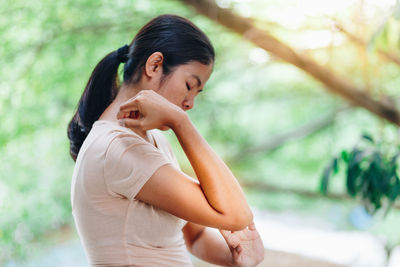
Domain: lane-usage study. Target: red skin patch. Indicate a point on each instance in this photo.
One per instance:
(134, 114)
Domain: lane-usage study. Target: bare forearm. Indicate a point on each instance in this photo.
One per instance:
(220, 187)
(211, 247)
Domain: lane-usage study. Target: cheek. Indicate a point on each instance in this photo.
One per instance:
(178, 91)
(180, 96)
(175, 93)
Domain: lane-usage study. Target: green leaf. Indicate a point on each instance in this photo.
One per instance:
(335, 165)
(367, 137)
(345, 156)
(353, 172)
(323, 188)
(394, 190)
(375, 172)
(394, 159)
(356, 156)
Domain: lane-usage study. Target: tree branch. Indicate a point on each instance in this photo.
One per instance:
(386, 54)
(294, 134)
(335, 84)
(262, 186)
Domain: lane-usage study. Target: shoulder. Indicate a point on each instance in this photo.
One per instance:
(159, 136)
(125, 146)
(163, 144)
(124, 143)
(116, 135)
(129, 154)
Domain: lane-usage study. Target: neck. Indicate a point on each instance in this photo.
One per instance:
(125, 93)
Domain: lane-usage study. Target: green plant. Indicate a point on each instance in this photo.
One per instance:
(371, 173)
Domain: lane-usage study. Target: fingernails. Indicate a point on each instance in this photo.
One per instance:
(121, 122)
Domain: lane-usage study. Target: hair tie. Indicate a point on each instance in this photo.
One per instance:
(122, 53)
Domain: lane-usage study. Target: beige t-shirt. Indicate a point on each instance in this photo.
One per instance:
(115, 228)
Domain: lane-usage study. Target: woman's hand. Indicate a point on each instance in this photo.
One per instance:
(246, 246)
(149, 110)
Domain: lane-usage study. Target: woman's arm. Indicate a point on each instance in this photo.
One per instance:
(207, 245)
(235, 249)
(221, 188)
(217, 201)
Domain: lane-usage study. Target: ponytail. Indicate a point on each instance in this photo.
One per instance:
(100, 91)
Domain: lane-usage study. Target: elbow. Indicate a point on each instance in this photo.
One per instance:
(245, 220)
(240, 221)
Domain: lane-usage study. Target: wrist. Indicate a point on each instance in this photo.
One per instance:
(179, 120)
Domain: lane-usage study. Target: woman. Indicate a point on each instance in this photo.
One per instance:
(131, 204)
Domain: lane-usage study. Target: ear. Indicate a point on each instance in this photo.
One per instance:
(154, 64)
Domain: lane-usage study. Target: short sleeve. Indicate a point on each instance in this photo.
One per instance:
(130, 161)
(163, 144)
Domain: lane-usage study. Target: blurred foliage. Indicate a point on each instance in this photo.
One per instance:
(49, 48)
(371, 173)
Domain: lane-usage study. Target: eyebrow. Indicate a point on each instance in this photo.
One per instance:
(198, 79)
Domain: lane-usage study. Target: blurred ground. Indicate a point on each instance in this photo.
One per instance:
(290, 241)
(282, 259)
(70, 253)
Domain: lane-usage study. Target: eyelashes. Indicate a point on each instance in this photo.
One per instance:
(188, 88)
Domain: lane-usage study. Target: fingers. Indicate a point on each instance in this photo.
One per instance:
(230, 238)
(238, 249)
(252, 226)
(224, 232)
(129, 109)
(134, 102)
(133, 114)
(130, 123)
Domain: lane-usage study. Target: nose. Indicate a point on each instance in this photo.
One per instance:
(188, 104)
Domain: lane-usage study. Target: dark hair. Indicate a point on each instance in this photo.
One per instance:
(178, 39)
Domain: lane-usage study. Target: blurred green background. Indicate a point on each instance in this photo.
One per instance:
(49, 48)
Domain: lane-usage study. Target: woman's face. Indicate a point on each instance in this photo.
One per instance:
(185, 83)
